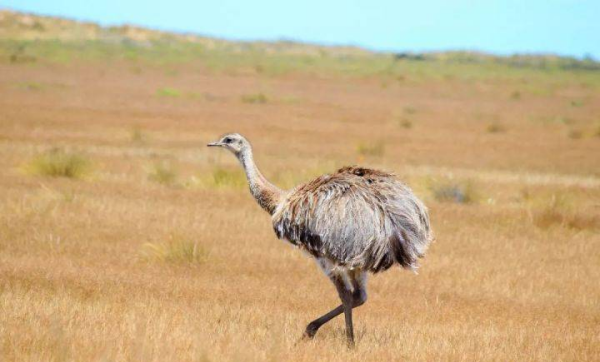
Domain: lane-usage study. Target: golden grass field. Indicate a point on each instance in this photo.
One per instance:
(153, 249)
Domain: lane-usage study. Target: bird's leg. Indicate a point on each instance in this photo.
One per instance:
(313, 327)
(347, 303)
(358, 294)
(352, 299)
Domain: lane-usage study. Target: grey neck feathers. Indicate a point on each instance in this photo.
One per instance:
(266, 194)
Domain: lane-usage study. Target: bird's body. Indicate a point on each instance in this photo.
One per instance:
(356, 218)
(354, 221)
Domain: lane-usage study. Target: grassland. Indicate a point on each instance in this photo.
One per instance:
(150, 247)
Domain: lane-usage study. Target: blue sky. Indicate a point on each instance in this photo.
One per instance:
(566, 27)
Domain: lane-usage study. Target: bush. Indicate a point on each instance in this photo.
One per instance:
(60, 163)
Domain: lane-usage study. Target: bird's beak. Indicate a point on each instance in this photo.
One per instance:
(214, 144)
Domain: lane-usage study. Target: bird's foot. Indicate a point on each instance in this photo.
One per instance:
(311, 330)
(350, 343)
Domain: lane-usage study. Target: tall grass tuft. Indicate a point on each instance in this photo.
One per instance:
(218, 178)
(375, 149)
(60, 163)
(169, 92)
(453, 191)
(575, 134)
(409, 110)
(222, 177)
(557, 213)
(176, 249)
(163, 173)
(256, 98)
(405, 123)
(495, 128)
(577, 103)
(137, 135)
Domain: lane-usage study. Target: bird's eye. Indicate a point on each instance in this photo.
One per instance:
(227, 140)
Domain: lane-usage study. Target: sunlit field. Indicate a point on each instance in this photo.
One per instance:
(124, 238)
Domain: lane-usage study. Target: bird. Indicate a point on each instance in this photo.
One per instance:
(354, 221)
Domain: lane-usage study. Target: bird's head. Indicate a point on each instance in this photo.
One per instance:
(234, 142)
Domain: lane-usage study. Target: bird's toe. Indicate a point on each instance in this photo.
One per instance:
(311, 330)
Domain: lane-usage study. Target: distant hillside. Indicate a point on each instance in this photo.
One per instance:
(21, 26)
(21, 31)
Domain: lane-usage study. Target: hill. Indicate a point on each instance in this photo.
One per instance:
(24, 33)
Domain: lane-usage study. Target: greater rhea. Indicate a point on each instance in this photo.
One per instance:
(354, 221)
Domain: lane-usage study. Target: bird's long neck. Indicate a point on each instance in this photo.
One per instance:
(266, 194)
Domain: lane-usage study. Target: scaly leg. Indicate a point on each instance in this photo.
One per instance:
(358, 298)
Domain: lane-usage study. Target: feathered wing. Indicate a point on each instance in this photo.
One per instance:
(356, 217)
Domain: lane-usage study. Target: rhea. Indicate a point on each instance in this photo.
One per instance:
(354, 221)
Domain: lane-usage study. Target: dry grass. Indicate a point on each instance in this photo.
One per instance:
(169, 92)
(115, 269)
(575, 134)
(223, 177)
(374, 149)
(495, 128)
(448, 190)
(176, 249)
(59, 163)
(138, 136)
(255, 98)
(557, 212)
(405, 123)
(163, 173)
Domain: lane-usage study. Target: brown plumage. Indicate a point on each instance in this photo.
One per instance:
(357, 218)
(354, 221)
